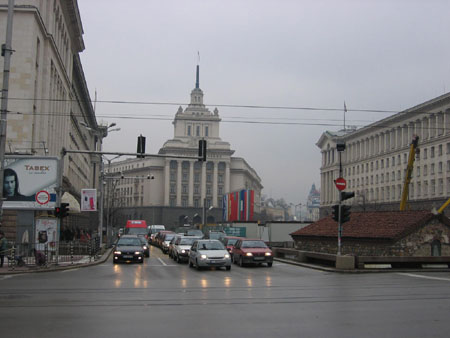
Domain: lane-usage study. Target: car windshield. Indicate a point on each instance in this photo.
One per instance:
(254, 244)
(213, 245)
(129, 242)
(194, 233)
(168, 237)
(143, 240)
(232, 241)
(136, 231)
(187, 241)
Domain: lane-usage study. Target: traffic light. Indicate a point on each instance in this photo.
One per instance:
(335, 212)
(64, 212)
(345, 213)
(57, 211)
(344, 195)
(141, 146)
(202, 150)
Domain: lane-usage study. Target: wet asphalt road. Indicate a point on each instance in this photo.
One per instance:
(165, 299)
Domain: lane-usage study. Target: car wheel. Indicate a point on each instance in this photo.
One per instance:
(190, 264)
(198, 266)
(228, 267)
(241, 262)
(269, 264)
(233, 259)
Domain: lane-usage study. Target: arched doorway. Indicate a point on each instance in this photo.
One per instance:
(436, 248)
(210, 220)
(197, 219)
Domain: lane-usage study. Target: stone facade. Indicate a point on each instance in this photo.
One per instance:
(374, 161)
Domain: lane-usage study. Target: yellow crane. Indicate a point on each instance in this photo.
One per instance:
(409, 169)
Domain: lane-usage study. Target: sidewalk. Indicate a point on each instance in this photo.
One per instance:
(80, 262)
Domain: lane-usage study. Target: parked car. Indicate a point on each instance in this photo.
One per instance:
(252, 251)
(208, 253)
(165, 240)
(145, 246)
(181, 248)
(128, 249)
(229, 242)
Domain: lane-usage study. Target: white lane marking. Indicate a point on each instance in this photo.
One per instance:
(424, 277)
(68, 270)
(7, 276)
(162, 262)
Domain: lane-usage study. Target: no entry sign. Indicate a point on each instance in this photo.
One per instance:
(340, 183)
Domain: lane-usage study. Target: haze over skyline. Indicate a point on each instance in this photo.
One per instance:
(374, 55)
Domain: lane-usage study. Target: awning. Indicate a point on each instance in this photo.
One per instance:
(74, 205)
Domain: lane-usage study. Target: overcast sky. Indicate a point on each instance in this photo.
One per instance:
(381, 55)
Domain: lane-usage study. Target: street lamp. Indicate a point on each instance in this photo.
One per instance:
(101, 133)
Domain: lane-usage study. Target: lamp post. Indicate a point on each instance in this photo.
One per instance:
(101, 133)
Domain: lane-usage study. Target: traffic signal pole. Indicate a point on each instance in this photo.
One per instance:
(340, 224)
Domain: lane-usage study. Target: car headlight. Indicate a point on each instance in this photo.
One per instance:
(183, 251)
(226, 256)
(203, 256)
(145, 247)
(249, 254)
(165, 244)
(268, 254)
(117, 252)
(137, 252)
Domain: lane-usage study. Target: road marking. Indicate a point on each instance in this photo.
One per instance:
(424, 277)
(162, 262)
(70, 270)
(7, 276)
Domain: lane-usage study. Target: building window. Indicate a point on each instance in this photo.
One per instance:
(432, 169)
(172, 189)
(172, 202)
(196, 189)
(382, 164)
(441, 186)
(196, 177)
(405, 158)
(440, 150)
(435, 248)
(184, 202)
(418, 172)
(185, 176)
(208, 178)
(189, 130)
(432, 152)
(208, 202)
(419, 189)
(198, 131)
(425, 153)
(387, 163)
(448, 148)
(432, 187)
(206, 131)
(172, 177)
(220, 201)
(220, 178)
(399, 175)
(196, 203)
(208, 190)
(393, 161)
(425, 170)
(393, 176)
(185, 189)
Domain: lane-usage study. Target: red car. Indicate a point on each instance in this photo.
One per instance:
(252, 251)
(229, 242)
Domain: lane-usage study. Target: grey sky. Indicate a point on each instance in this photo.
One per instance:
(384, 55)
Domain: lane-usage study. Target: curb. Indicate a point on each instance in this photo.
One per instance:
(354, 271)
(101, 260)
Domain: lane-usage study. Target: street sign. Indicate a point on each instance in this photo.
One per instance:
(340, 183)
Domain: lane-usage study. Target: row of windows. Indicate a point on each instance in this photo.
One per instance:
(189, 130)
(185, 189)
(197, 204)
(197, 176)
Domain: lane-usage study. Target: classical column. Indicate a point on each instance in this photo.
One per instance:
(215, 180)
(191, 184)
(167, 183)
(179, 170)
(227, 178)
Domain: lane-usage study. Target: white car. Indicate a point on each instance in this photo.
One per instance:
(209, 253)
(181, 248)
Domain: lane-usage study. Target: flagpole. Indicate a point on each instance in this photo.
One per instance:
(345, 110)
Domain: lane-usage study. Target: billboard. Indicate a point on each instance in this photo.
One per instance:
(88, 199)
(239, 206)
(30, 182)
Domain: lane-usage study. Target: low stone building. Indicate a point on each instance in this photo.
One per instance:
(387, 233)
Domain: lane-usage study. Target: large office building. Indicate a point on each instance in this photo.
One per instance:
(182, 186)
(49, 100)
(376, 156)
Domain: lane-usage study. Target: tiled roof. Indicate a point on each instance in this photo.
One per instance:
(376, 225)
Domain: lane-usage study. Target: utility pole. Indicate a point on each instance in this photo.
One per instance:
(6, 51)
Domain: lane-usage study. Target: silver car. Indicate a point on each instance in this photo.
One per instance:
(181, 248)
(208, 253)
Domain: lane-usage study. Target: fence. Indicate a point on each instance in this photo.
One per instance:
(52, 254)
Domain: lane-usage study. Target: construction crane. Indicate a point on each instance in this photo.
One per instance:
(409, 169)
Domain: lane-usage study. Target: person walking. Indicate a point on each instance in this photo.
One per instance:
(3, 247)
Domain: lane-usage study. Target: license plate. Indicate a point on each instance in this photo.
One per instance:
(215, 262)
(127, 256)
(258, 258)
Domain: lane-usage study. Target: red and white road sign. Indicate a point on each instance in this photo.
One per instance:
(42, 197)
(340, 183)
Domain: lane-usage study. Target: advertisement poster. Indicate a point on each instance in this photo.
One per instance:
(30, 182)
(88, 199)
(46, 233)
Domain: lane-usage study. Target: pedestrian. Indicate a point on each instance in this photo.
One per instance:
(39, 257)
(3, 247)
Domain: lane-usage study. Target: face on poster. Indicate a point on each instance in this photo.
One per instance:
(88, 199)
(30, 182)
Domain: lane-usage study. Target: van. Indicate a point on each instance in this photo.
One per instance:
(153, 231)
(136, 227)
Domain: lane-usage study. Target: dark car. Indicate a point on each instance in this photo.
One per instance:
(159, 237)
(229, 242)
(145, 246)
(165, 241)
(128, 249)
(252, 251)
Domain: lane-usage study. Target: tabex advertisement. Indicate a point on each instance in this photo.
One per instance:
(30, 182)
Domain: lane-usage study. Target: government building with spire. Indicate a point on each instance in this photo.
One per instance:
(172, 187)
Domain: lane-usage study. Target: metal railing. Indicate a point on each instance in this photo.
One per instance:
(39, 255)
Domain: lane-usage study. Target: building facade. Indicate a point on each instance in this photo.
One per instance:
(376, 156)
(182, 185)
(312, 205)
(48, 94)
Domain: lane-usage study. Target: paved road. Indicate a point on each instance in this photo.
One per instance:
(165, 299)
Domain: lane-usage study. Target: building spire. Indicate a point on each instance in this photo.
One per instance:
(197, 80)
